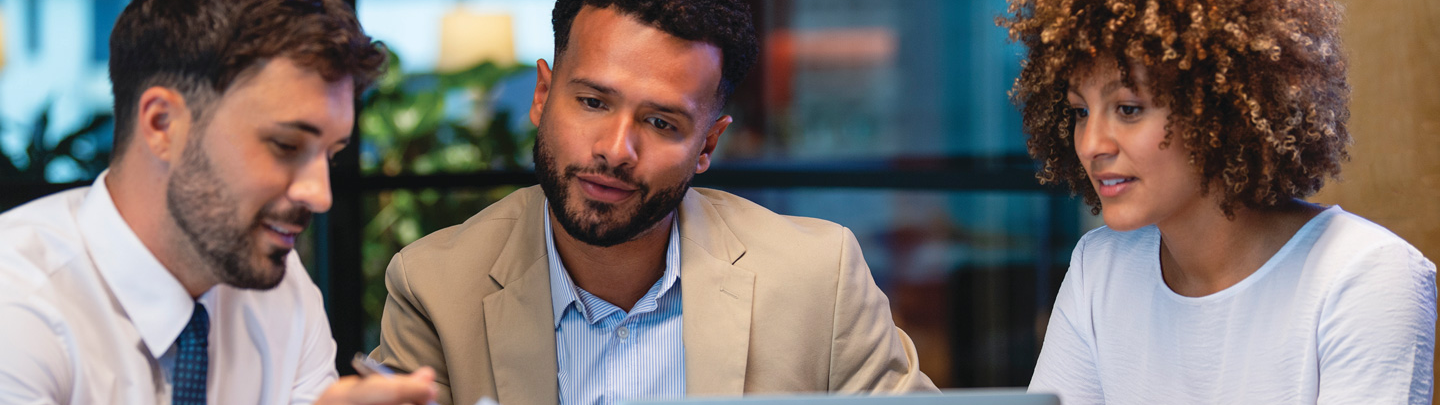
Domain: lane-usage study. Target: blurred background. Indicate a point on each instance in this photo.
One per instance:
(889, 117)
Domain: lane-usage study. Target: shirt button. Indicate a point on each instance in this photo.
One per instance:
(623, 332)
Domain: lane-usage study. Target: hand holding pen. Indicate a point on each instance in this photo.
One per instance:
(378, 385)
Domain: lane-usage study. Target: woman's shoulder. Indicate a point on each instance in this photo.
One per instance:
(1347, 232)
(1105, 256)
(1353, 246)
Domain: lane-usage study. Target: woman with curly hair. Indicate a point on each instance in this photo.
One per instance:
(1197, 128)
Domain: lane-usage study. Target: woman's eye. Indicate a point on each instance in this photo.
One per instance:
(1079, 112)
(591, 103)
(1129, 110)
(660, 124)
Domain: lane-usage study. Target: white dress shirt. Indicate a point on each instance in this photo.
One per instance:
(90, 316)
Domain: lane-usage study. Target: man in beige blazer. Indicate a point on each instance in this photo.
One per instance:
(522, 301)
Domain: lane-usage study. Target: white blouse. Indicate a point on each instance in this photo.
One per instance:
(1344, 313)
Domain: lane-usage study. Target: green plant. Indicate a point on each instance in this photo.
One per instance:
(411, 125)
(430, 123)
(81, 146)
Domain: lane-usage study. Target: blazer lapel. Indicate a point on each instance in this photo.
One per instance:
(717, 301)
(519, 323)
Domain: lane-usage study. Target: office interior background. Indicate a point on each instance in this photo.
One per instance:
(890, 117)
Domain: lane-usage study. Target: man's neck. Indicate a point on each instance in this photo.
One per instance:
(619, 274)
(1203, 252)
(146, 214)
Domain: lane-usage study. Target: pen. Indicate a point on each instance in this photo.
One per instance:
(367, 367)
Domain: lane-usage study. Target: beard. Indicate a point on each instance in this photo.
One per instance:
(599, 223)
(206, 212)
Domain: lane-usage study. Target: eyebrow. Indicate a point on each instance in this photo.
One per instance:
(607, 90)
(313, 130)
(301, 126)
(1108, 88)
(610, 91)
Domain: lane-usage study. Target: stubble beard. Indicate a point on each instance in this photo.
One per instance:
(205, 212)
(602, 224)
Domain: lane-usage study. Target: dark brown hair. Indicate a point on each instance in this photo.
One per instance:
(200, 47)
(723, 23)
(1256, 89)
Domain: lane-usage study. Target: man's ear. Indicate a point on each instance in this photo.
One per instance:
(712, 138)
(542, 91)
(164, 123)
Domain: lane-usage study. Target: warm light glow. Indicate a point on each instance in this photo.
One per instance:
(468, 39)
(2, 41)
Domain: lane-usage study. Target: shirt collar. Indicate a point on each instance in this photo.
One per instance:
(154, 300)
(563, 291)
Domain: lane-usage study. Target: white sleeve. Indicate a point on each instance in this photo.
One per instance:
(317, 364)
(1377, 330)
(34, 366)
(1067, 358)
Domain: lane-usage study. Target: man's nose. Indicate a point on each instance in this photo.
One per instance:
(617, 143)
(311, 187)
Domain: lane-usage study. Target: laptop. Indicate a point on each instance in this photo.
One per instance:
(983, 396)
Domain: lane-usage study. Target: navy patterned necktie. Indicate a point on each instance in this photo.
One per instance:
(192, 360)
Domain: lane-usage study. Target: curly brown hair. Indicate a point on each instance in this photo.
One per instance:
(1256, 89)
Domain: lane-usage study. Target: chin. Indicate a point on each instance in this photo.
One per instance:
(1121, 222)
(263, 272)
(265, 278)
(272, 268)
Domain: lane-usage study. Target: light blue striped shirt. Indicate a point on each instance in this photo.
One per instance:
(606, 355)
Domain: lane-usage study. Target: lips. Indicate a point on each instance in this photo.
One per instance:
(285, 236)
(605, 189)
(1113, 185)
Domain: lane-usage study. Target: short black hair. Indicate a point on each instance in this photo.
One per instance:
(200, 47)
(723, 23)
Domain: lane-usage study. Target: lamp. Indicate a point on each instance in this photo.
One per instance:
(468, 38)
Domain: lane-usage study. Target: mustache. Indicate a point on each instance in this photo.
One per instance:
(625, 174)
(295, 216)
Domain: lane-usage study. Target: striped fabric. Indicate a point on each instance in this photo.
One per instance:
(606, 355)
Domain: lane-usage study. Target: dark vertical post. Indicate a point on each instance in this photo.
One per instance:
(338, 248)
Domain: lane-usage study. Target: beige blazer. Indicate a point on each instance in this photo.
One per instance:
(772, 304)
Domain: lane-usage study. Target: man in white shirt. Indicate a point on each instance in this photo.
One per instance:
(172, 279)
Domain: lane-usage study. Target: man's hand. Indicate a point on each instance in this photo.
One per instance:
(415, 388)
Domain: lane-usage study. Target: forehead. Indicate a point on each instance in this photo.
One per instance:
(1104, 74)
(619, 51)
(279, 90)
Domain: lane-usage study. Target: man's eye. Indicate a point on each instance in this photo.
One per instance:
(660, 124)
(591, 103)
(284, 147)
